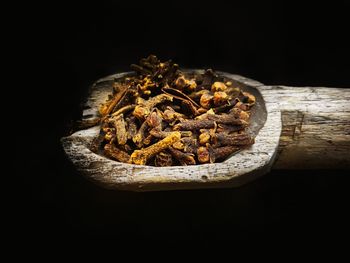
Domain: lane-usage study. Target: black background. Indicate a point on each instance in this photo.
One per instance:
(67, 47)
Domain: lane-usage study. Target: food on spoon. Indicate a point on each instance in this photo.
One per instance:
(163, 117)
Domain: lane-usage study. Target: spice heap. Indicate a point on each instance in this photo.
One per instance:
(164, 117)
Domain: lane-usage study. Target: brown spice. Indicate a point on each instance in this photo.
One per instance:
(203, 154)
(114, 153)
(195, 125)
(183, 158)
(142, 156)
(164, 117)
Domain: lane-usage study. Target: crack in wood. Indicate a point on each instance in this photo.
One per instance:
(315, 127)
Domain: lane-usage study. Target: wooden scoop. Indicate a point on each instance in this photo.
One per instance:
(295, 127)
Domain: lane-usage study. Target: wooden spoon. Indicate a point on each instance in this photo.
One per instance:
(295, 127)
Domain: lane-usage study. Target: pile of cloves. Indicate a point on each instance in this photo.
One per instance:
(164, 117)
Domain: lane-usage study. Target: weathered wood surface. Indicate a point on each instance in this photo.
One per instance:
(314, 133)
(315, 126)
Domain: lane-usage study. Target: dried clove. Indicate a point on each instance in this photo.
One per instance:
(190, 144)
(132, 127)
(221, 153)
(171, 116)
(142, 156)
(218, 86)
(140, 135)
(226, 119)
(162, 134)
(249, 98)
(106, 108)
(229, 128)
(163, 159)
(128, 98)
(206, 100)
(220, 98)
(120, 127)
(203, 154)
(234, 139)
(178, 145)
(114, 153)
(204, 137)
(183, 158)
(144, 107)
(124, 110)
(155, 120)
(195, 125)
(227, 106)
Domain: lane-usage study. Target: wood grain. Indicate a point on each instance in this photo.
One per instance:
(315, 126)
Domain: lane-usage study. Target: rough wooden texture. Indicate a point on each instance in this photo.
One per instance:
(315, 130)
(315, 126)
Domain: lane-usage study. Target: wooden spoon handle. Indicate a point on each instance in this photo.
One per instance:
(315, 126)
